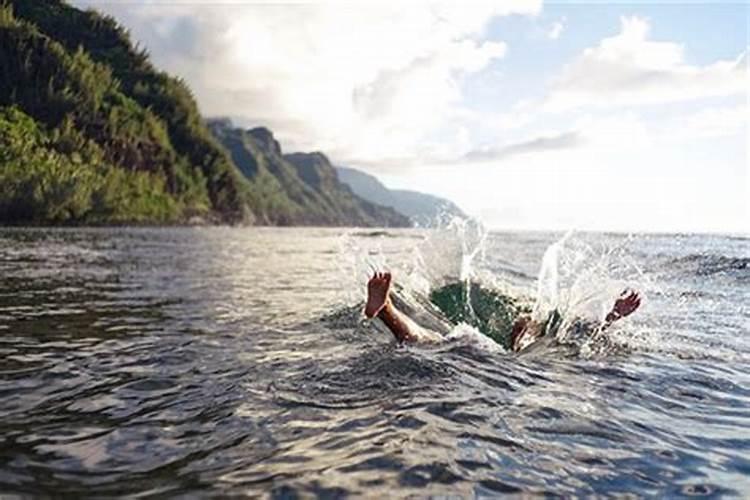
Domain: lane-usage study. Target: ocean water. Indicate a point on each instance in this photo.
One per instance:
(219, 361)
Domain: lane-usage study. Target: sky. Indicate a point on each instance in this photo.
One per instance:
(527, 114)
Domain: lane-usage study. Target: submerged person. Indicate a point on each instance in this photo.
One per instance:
(525, 330)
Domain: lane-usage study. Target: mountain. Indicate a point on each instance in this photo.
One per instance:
(111, 138)
(299, 188)
(92, 133)
(423, 209)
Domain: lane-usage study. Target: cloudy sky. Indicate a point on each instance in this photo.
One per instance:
(529, 115)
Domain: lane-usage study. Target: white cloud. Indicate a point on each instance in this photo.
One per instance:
(611, 132)
(630, 69)
(610, 143)
(540, 144)
(359, 81)
(557, 29)
(719, 121)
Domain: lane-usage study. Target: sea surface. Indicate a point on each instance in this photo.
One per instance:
(235, 362)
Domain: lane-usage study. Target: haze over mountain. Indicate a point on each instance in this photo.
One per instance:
(423, 209)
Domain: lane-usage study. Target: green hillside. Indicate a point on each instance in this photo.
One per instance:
(298, 189)
(92, 132)
(102, 111)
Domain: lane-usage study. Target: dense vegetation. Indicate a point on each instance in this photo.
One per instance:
(60, 177)
(92, 132)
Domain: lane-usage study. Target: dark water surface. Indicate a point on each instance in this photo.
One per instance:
(233, 361)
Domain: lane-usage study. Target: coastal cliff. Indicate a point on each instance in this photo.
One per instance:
(92, 133)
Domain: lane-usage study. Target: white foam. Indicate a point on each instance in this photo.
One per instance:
(467, 334)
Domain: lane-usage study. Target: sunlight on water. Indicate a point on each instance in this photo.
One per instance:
(235, 362)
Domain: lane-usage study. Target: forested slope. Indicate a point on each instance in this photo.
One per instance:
(92, 132)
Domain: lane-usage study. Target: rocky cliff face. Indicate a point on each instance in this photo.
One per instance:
(299, 188)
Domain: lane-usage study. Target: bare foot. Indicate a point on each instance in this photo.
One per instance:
(377, 293)
(625, 305)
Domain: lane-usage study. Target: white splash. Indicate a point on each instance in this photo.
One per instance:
(581, 277)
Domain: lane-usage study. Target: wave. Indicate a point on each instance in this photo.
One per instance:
(711, 265)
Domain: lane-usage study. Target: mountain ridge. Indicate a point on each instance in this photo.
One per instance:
(91, 132)
(422, 208)
(304, 187)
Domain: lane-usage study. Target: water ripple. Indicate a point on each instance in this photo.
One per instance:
(233, 362)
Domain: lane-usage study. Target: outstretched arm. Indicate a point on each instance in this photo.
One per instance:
(379, 304)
